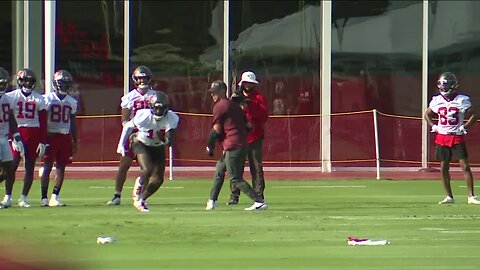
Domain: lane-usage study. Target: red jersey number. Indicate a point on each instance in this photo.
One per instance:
(26, 110)
(139, 104)
(5, 113)
(446, 117)
(59, 113)
(159, 134)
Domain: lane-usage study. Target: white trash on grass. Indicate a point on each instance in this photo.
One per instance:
(352, 241)
(105, 240)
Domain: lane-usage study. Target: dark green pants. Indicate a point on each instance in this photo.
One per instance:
(232, 162)
(255, 159)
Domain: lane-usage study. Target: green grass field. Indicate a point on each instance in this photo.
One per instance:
(306, 227)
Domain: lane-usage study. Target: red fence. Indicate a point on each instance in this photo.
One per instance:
(289, 140)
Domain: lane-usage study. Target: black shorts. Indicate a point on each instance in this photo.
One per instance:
(155, 153)
(445, 153)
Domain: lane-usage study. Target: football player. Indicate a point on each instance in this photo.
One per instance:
(8, 124)
(135, 100)
(61, 137)
(451, 107)
(153, 129)
(31, 116)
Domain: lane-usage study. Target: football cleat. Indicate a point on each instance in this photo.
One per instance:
(141, 206)
(6, 203)
(55, 202)
(23, 203)
(257, 206)
(44, 202)
(211, 205)
(137, 189)
(114, 201)
(447, 200)
(473, 200)
(233, 201)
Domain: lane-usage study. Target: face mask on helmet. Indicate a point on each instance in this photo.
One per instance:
(447, 84)
(3, 86)
(142, 82)
(3, 80)
(62, 82)
(27, 84)
(141, 77)
(159, 110)
(26, 80)
(63, 86)
(159, 105)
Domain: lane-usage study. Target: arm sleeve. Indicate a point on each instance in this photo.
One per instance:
(218, 112)
(257, 110)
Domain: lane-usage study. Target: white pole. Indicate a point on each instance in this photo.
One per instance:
(326, 83)
(50, 17)
(18, 43)
(425, 84)
(226, 45)
(377, 150)
(170, 156)
(126, 46)
(26, 33)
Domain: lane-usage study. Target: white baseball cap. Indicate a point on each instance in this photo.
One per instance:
(248, 76)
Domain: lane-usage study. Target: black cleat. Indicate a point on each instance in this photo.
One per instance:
(232, 201)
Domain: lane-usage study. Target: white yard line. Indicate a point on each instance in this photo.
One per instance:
(112, 187)
(320, 187)
(400, 218)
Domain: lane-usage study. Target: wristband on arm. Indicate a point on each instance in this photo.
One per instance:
(17, 137)
(212, 138)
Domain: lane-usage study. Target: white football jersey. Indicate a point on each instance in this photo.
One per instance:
(451, 113)
(26, 108)
(151, 131)
(134, 101)
(59, 112)
(5, 106)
